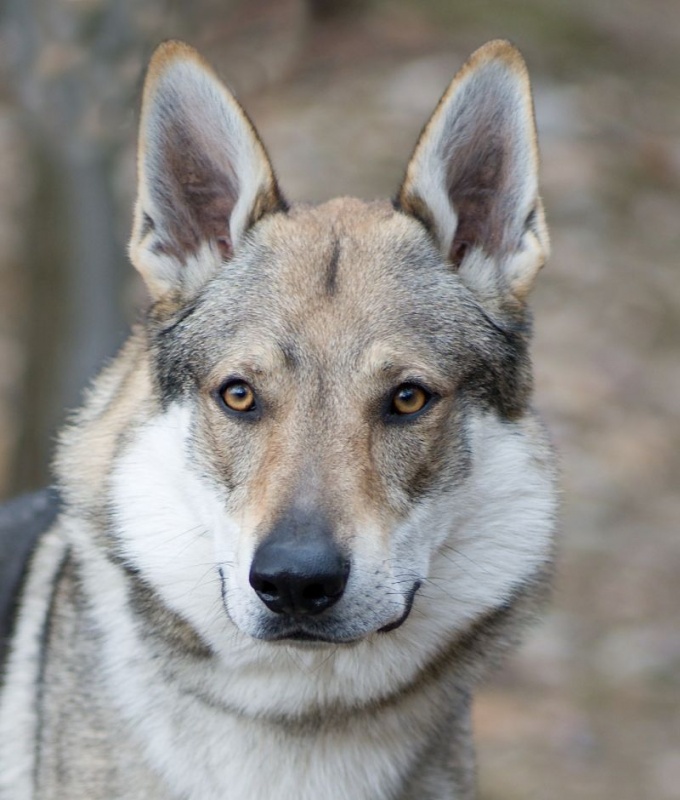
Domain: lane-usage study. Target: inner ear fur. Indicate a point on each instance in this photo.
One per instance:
(473, 177)
(204, 176)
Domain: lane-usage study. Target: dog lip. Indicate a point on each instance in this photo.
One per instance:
(392, 626)
(306, 637)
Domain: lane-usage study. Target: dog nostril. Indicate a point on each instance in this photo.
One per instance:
(267, 587)
(316, 591)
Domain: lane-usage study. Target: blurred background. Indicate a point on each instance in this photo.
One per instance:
(590, 707)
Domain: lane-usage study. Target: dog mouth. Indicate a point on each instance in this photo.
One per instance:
(317, 632)
(324, 629)
(392, 626)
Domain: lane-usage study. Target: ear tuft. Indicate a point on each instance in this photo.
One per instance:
(204, 177)
(473, 177)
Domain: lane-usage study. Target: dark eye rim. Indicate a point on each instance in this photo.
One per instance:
(251, 414)
(395, 418)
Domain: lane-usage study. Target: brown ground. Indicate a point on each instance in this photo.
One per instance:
(590, 707)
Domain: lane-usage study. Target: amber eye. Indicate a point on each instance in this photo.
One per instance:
(409, 399)
(238, 396)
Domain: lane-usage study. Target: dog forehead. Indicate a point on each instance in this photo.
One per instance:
(331, 281)
(348, 243)
(350, 261)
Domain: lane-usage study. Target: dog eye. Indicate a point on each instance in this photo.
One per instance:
(408, 399)
(238, 396)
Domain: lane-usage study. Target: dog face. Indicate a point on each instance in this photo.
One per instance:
(341, 443)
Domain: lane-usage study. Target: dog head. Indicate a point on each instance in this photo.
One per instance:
(340, 443)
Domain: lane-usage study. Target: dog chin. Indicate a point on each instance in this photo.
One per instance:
(301, 637)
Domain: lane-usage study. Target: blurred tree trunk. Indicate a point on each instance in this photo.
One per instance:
(75, 67)
(69, 66)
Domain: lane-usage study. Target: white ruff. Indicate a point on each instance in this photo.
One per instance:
(480, 543)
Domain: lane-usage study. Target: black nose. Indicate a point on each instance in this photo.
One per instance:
(298, 568)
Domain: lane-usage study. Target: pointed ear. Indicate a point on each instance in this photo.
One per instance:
(473, 177)
(203, 175)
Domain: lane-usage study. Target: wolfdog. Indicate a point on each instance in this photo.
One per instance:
(309, 502)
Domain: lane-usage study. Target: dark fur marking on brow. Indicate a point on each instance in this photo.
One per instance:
(175, 321)
(509, 334)
(291, 355)
(332, 270)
